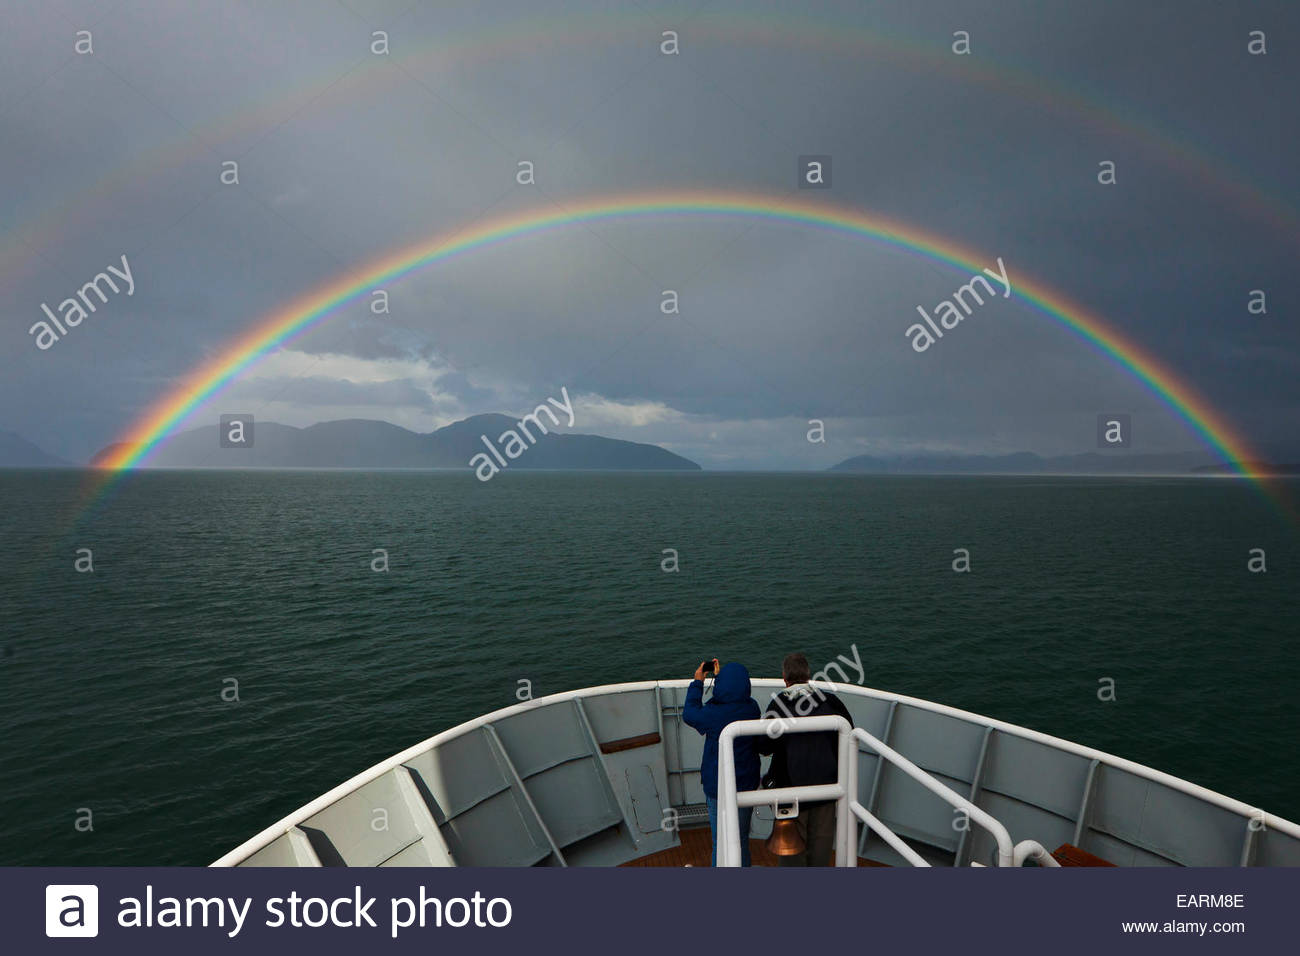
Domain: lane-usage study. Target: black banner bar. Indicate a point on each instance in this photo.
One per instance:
(651, 911)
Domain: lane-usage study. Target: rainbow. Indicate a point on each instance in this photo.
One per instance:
(313, 308)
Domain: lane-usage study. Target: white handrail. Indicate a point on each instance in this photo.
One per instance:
(1033, 850)
(729, 801)
(1006, 852)
(844, 791)
(888, 835)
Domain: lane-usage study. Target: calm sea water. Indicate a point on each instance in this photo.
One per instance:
(112, 680)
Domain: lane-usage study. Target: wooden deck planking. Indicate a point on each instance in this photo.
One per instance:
(697, 850)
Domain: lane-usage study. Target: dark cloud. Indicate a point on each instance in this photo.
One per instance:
(336, 393)
(344, 157)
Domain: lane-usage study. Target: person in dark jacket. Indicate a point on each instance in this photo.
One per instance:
(799, 760)
(730, 702)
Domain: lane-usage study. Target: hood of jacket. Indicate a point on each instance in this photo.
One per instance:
(731, 684)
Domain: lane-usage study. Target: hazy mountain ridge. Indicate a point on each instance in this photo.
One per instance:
(364, 443)
(1257, 467)
(18, 452)
(367, 443)
(1028, 463)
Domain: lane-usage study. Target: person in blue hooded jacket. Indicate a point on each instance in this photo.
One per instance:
(730, 702)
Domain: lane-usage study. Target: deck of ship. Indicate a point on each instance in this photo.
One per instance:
(611, 775)
(696, 850)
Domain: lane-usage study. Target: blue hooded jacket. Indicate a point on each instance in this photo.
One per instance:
(730, 702)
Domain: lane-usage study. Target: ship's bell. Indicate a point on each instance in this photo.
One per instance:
(786, 839)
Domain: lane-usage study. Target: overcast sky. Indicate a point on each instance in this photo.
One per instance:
(345, 155)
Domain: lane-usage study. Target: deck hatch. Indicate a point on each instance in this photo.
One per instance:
(647, 804)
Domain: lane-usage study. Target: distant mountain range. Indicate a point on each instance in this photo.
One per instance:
(18, 452)
(1256, 467)
(358, 443)
(1027, 463)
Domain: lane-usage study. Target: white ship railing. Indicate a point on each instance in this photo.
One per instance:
(730, 801)
(1255, 819)
(844, 792)
(1033, 850)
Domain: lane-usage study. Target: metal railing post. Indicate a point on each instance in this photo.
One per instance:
(846, 831)
(727, 839)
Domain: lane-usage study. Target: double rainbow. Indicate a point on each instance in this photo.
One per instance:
(286, 324)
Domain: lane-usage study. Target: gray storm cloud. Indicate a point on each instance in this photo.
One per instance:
(344, 156)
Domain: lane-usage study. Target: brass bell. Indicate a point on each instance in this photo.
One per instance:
(786, 839)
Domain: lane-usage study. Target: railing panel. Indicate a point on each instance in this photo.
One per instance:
(844, 790)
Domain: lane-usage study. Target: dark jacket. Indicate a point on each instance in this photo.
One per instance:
(799, 760)
(730, 702)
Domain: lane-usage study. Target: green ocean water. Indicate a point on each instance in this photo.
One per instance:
(112, 680)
